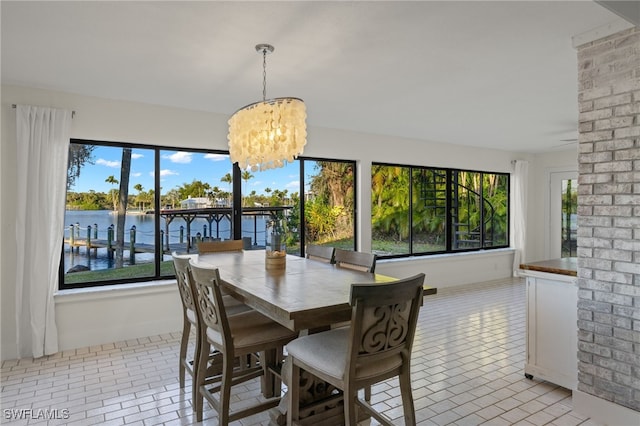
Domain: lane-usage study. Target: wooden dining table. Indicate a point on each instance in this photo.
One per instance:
(305, 295)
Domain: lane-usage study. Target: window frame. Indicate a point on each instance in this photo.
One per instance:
(236, 195)
(449, 202)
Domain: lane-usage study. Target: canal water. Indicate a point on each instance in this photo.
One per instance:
(145, 234)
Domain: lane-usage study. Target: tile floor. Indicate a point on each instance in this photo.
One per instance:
(467, 370)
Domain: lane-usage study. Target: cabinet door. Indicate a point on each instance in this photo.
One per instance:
(552, 331)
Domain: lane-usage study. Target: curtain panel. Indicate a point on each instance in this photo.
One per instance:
(520, 213)
(43, 149)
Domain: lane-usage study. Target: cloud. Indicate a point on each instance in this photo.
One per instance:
(103, 162)
(293, 184)
(138, 174)
(179, 157)
(136, 156)
(216, 157)
(167, 172)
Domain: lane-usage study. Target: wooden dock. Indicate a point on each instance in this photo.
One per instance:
(187, 242)
(96, 244)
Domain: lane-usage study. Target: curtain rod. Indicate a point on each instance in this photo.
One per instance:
(73, 113)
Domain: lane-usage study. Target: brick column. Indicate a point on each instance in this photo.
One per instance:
(609, 219)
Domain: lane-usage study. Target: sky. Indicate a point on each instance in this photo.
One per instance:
(177, 168)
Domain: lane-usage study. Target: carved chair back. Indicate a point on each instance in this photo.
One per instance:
(210, 305)
(383, 324)
(181, 267)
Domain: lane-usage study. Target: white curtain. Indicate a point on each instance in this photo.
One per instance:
(520, 213)
(43, 149)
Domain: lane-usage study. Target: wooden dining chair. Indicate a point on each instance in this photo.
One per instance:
(218, 246)
(189, 318)
(376, 347)
(235, 337)
(320, 253)
(356, 260)
(233, 305)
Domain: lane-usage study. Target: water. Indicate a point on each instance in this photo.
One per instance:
(253, 227)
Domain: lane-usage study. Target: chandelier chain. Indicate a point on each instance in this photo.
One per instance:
(264, 74)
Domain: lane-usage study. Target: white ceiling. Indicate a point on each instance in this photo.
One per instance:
(492, 74)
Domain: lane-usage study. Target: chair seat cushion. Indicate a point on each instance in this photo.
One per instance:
(191, 316)
(327, 353)
(251, 328)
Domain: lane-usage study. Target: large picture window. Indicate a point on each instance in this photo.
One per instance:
(422, 210)
(130, 206)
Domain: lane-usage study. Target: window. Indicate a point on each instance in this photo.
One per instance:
(329, 203)
(422, 210)
(569, 218)
(130, 206)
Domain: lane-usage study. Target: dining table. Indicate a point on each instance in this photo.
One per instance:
(304, 296)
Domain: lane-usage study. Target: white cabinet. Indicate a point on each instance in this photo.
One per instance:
(552, 329)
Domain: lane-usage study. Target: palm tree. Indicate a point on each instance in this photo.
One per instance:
(123, 193)
(138, 187)
(228, 179)
(114, 193)
(246, 175)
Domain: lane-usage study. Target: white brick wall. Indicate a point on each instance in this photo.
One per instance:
(609, 218)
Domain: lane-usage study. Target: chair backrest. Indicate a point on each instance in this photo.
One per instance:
(357, 260)
(321, 253)
(383, 324)
(218, 246)
(210, 306)
(187, 292)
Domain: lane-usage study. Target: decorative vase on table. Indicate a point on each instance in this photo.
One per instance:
(276, 250)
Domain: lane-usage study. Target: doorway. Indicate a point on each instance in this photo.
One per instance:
(563, 217)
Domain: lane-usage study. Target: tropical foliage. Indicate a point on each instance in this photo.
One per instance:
(409, 205)
(329, 210)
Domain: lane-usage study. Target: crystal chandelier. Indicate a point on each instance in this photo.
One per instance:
(263, 135)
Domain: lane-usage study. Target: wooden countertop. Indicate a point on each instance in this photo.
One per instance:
(564, 266)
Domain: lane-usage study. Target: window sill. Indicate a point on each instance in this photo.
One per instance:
(449, 256)
(115, 291)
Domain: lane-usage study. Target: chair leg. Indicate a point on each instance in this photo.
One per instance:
(407, 398)
(350, 410)
(293, 393)
(200, 377)
(184, 343)
(194, 370)
(225, 390)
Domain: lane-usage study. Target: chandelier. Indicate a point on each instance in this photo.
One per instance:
(264, 135)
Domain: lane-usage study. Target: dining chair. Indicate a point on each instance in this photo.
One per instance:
(218, 246)
(359, 261)
(235, 337)
(321, 253)
(356, 260)
(376, 347)
(189, 317)
(232, 304)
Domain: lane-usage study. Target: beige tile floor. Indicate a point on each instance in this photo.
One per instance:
(467, 370)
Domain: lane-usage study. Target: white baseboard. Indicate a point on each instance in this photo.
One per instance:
(604, 412)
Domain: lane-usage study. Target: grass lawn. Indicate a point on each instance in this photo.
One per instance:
(132, 271)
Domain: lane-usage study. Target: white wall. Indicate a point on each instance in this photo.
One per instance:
(539, 207)
(104, 316)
